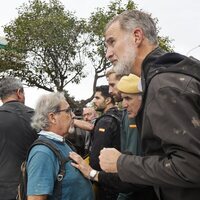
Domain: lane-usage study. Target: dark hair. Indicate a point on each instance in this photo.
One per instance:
(104, 89)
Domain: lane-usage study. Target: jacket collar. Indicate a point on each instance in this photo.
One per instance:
(148, 64)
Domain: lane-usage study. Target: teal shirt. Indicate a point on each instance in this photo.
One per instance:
(42, 171)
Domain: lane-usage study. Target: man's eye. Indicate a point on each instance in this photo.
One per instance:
(112, 42)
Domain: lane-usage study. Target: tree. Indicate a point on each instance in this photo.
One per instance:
(96, 26)
(49, 42)
(10, 61)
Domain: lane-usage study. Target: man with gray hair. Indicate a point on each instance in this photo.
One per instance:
(16, 135)
(169, 117)
(53, 116)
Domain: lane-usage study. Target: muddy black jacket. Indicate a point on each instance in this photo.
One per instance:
(16, 136)
(169, 122)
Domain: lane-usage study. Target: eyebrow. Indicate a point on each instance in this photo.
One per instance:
(126, 97)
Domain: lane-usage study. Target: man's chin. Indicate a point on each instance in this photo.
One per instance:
(122, 69)
(131, 115)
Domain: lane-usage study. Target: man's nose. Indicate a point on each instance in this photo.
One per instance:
(109, 53)
(110, 90)
(124, 104)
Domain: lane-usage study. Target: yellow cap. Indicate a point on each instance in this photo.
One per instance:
(129, 84)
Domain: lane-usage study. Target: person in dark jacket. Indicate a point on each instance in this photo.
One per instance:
(106, 133)
(127, 88)
(16, 135)
(130, 139)
(170, 114)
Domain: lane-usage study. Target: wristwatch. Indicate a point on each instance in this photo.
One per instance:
(92, 174)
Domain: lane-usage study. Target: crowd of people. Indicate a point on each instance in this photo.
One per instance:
(140, 139)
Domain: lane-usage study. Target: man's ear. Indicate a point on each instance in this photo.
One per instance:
(20, 95)
(108, 100)
(18, 92)
(138, 36)
(52, 118)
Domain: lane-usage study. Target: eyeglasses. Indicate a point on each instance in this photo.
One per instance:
(67, 110)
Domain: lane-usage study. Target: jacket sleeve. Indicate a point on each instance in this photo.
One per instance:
(172, 118)
(106, 134)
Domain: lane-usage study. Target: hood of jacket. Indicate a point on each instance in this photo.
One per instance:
(158, 61)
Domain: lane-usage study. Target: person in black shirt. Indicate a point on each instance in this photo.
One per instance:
(106, 133)
(16, 135)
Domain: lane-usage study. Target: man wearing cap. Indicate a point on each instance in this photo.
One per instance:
(131, 101)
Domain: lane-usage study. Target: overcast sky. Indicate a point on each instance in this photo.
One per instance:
(178, 19)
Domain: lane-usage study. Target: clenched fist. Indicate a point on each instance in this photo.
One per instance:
(108, 159)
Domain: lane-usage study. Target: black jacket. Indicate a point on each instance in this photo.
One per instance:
(169, 122)
(106, 133)
(16, 136)
(130, 191)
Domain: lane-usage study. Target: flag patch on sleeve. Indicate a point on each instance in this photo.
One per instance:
(132, 126)
(102, 130)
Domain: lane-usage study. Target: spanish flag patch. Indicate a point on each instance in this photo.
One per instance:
(132, 126)
(102, 130)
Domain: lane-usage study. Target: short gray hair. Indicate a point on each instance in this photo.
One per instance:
(131, 19)
(46, 104)
(8, 86)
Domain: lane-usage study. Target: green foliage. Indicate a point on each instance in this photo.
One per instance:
(96, 26)
(48, 37)
(10, 61)
(46, 45)
(165, 43)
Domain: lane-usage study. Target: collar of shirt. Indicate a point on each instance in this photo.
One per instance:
(51, 135)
